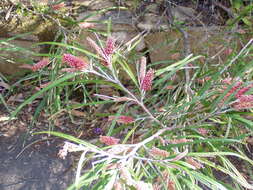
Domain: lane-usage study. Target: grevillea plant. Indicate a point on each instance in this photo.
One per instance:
(165, 141)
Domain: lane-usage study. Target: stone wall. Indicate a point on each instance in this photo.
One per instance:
(160, 39)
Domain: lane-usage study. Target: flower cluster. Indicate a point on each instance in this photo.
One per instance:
(159, 152)
(38, 66)
(145, 78)
(203, 131)
(243, 101)
(109, 140)
(109, 48)
(58, 6)
(194, 163)
(70, 147)
(146, 83)
(178, 141)
(104, 52)
(76, 63)
(85, 25)
(122, 119)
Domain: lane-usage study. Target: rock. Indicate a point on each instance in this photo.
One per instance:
(122, 29)
(95, 4)
(152, 22)
(203, 41)
(183, 14)
(27, 30)
(35, 168)
(101, 4)
(29, 2)
(14, 54)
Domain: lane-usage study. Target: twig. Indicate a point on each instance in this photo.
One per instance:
(186, 44)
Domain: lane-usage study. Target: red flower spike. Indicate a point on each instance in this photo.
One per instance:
(227, 81)
(109, 48)
(109, 140)
(146, 83)
(243, 105)
(246, 98)
(104, 53)
(233, 89)
(194, 163)
(84, 25)
(203, 131)
(122, 119)
(41, 64)
(243, 91)
(93, 44)
(159, 152)
(177, 141)
(74, 62)
(143, 64)
(58, 6)
(122, 99)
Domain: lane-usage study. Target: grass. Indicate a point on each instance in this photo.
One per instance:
(157, 138)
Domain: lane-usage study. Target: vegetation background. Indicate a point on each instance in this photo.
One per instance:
(134, 123)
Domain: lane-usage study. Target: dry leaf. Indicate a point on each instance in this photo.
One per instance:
(77, 113)
(175, 56)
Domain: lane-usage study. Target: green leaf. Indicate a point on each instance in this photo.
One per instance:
(68, 46)
(128, 70)
(177, 65)
(249, 124)
(247, 21)
(209, 182)
(68, 137)
(33, 97)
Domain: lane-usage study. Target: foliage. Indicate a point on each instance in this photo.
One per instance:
(183, 140)
(167, 138)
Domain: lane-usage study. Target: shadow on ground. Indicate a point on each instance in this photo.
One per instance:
(35, 168)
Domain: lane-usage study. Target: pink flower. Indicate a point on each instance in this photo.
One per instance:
(246, 98)
(38, 66)
(178, 141)
(244, 102)
(94, 45)
(194, 163)
(143, 64)
(227, 81)
(86, 25)
(76, 63)
(104, 52)
(234, 88)
(243, 91)
(122, 99)
(41, 64)
(146, 83)
(159, 152)
(243, 105)
(228, 51)
(170, 87)
(109, 48)
(122, 119)
(109, 140)
(203, 131)
(58, 6)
